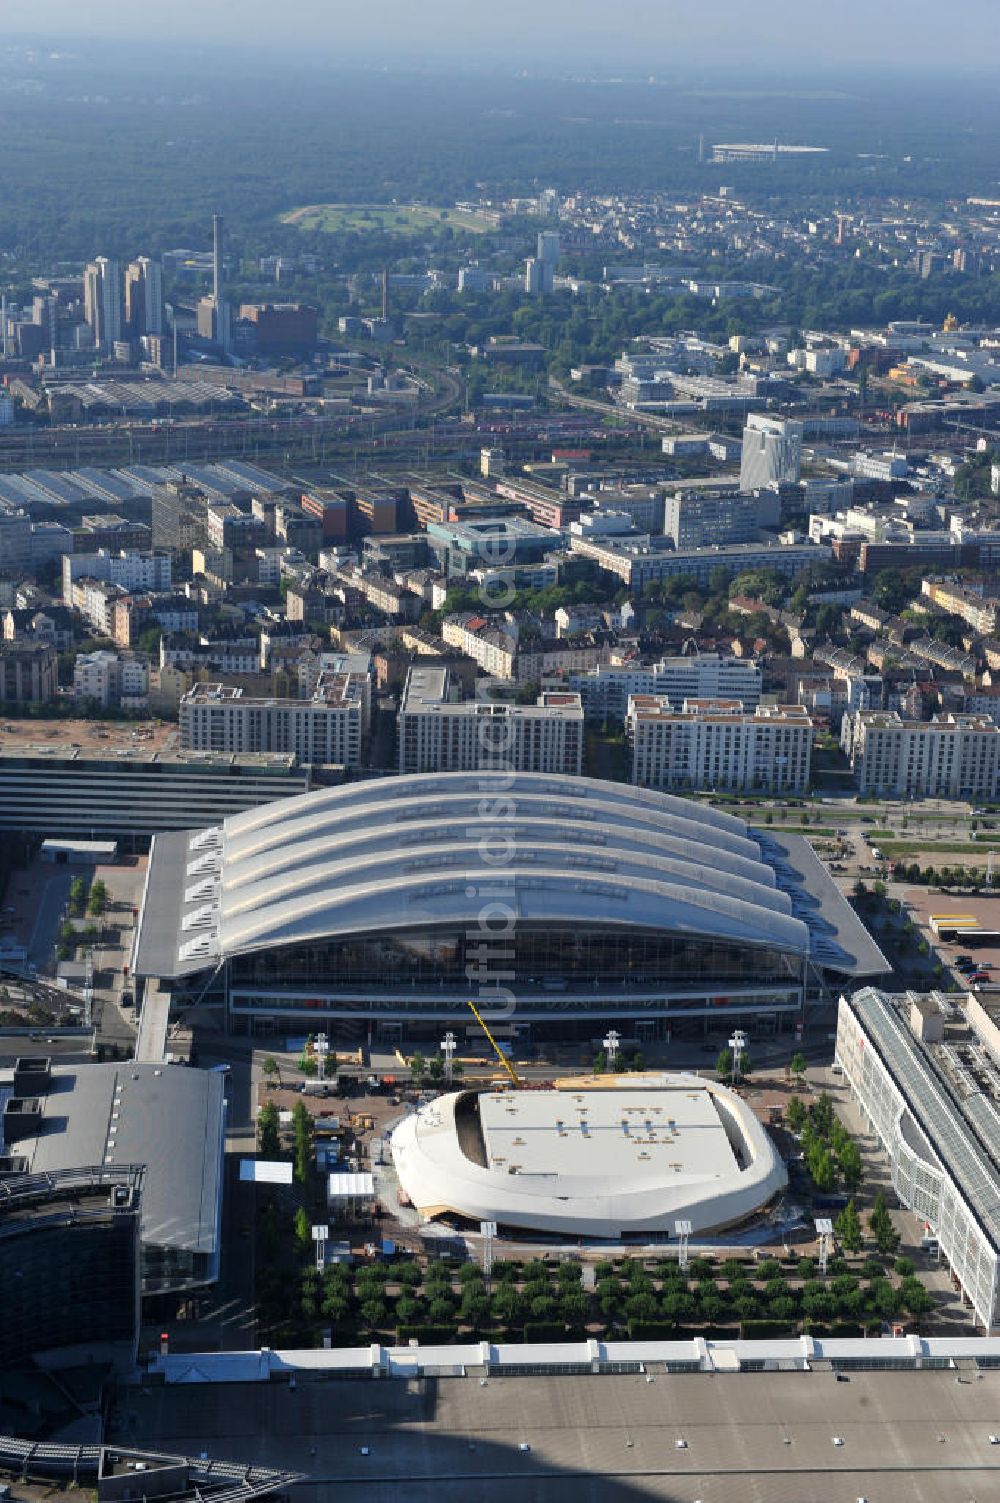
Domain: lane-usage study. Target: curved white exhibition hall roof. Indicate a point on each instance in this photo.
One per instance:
(418, 851)
(593, 1158)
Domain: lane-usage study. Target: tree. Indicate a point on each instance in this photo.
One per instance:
(882, 1230)
(795, 1114)
(268, 1138)
(418, 1067)
(914, 1297)
(98, 899)
(822, 1168)
(435, 1067)
(798, 1065)
(303, 1229)
(270, 1070)
(848, 1227)
(303, 1132)
(77, 895)
(850, 1164)
(724, 1064)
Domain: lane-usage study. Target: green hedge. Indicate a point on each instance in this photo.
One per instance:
(545, 1330)
(654, 1330)
(426, 1335)
(765, 1330)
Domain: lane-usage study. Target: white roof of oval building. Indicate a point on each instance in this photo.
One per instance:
(592, 1157)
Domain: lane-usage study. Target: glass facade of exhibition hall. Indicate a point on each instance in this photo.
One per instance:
(556, 973)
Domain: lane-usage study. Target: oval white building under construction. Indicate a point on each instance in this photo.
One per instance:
(598, 1156)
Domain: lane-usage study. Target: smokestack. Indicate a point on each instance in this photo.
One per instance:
(217, 254)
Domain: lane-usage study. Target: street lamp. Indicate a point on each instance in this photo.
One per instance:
(448, 1046)
(737, 1047)
(611, 1042)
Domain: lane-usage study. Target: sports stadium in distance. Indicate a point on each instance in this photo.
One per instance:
(598, 1156)
(561, 901)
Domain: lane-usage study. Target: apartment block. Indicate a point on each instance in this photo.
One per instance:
(606, 689)
(440, 733)
(111, 680)
(130, 571)
(978, 611)
(329, 728)
(697, 518)
(950, 756)
(494, 649)
(716, 744)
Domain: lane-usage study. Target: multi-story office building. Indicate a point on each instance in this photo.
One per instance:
(328, 728)
(548, 247)
(104, 301)
(439, 734)
(131, 792)
(69, 1260)
(695, 518)
(606, 689)
(772, 452)
(950, 756)
(29, 673)
(144, 297)
(490, 542)
(15, 539)
(179, 516)
(638, 561)
(169, 1124)
(715, 744)
(939, 1134)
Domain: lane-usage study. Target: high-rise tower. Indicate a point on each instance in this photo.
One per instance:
(104, 302)
(218, 250)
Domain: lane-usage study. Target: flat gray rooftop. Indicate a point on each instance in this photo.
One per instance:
(160, 918)
(909, 1437)
(588, 1134)
(169, 1118)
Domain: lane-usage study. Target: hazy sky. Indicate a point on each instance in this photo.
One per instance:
(556, 34)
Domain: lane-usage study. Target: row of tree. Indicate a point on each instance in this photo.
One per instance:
(269, 1141)
(831, 1155)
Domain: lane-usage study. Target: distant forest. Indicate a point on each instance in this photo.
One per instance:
(120, 154)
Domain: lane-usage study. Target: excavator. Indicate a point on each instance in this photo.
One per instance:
(508, 1067)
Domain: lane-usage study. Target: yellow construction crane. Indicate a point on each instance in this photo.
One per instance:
(496, 1047)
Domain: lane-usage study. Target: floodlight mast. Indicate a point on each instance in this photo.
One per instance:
(448, 1046)
(612, 1043)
